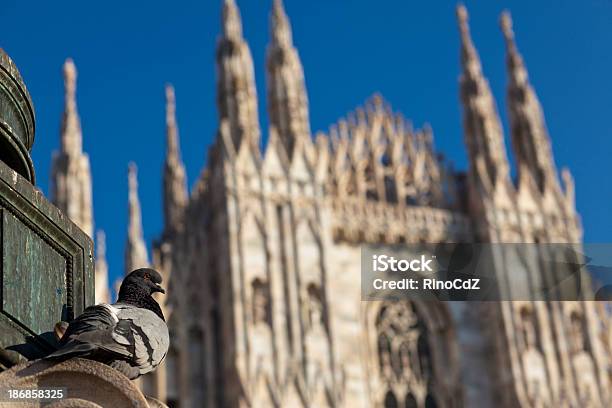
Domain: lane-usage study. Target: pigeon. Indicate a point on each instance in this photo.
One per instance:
(130, 335)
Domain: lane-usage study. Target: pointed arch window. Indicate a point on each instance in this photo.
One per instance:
(430, 402)
(172, 378)
(390, 400)
(405, 358)
(197, 377)
(411, 401)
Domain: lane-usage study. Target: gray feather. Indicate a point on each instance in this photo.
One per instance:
(118, 331)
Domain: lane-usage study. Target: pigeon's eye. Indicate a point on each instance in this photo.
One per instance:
(147, 276)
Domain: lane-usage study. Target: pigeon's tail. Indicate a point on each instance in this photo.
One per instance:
(72, 349)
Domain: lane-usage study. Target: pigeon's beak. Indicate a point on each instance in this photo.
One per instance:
(158, 288)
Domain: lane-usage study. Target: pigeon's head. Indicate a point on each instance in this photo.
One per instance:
(144, 278)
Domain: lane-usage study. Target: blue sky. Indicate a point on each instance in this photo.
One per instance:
(407, 50)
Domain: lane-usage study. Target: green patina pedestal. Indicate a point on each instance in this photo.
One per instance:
(46, 261)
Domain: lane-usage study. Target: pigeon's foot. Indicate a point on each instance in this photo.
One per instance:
(60, 329)
(125, 368)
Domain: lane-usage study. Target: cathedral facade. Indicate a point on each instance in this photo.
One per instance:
(265, 251)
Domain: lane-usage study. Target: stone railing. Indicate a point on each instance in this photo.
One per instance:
(83, 383)
(376, 222)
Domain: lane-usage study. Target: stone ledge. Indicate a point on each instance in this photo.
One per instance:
(88, 384)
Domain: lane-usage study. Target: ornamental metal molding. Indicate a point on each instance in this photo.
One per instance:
(17, 124)
(31, 214)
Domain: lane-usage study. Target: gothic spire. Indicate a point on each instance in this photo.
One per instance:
(530, 138)
(70, 172)
(236, 92)
(470, 60)
(71, 136)
(135, 249)
(280, 28)
(101, 280)
(287, 97)
(483, 132)
(231, 22)
(175, 183)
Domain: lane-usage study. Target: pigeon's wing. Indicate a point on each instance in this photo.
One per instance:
(97, 328)
(150, 334)
(117, 332)
(93, 318)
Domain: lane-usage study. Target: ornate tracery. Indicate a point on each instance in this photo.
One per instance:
(404, 355)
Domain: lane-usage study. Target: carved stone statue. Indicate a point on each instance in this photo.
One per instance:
(315, 307)
(261, 302)
(533, 361)
(583, 362)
